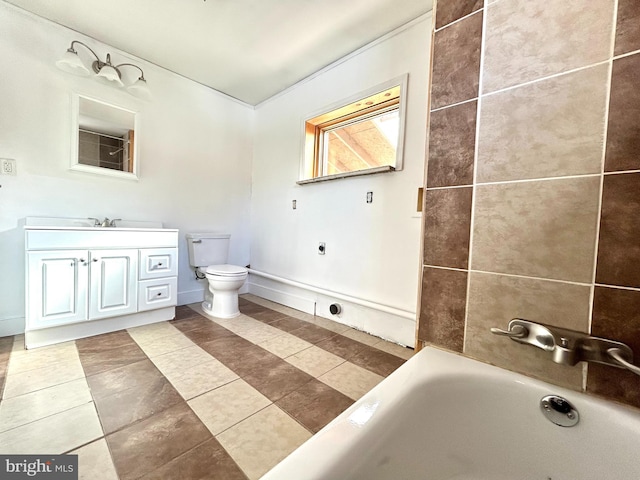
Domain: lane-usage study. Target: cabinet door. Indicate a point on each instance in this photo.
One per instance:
(56, 288)
(113, 283)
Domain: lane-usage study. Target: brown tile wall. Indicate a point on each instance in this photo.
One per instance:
(532, 201)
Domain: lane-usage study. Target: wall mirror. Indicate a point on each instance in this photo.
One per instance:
(104, 138)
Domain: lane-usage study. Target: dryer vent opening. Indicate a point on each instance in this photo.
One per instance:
(335, 309)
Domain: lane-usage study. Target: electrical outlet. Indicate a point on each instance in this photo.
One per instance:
(7, 166)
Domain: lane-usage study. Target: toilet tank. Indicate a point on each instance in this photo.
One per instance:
(207, 248)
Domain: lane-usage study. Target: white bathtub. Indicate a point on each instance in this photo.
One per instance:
(444, 417)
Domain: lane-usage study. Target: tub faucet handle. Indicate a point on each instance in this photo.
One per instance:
(515, 331)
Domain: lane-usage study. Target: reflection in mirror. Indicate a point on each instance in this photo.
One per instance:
(104, 138)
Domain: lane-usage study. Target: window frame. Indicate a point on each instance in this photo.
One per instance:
(311, 148)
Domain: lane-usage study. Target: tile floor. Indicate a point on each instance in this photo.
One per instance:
(191, 398)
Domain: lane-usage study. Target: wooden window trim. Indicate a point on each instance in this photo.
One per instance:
(361, 110)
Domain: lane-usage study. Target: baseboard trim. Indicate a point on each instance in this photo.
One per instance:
(64, 333)
(193, 296)
(197, 296)
(11, 326)
(305, 305)
(395, 327)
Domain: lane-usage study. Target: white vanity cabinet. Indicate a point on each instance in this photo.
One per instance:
(82, 282)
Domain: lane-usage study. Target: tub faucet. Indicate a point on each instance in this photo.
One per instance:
(568, 347)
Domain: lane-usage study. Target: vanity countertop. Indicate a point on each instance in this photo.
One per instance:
(98, 229)
(54, 237)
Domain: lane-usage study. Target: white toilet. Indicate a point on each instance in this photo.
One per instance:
(208, 254)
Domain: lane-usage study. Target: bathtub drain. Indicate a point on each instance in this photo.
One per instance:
(559, 411)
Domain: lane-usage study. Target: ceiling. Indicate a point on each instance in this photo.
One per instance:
(248, 49)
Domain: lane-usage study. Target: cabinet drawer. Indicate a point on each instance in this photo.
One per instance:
(157, 293)
(158, 262)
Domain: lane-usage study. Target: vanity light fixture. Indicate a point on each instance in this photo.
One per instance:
(105, 72)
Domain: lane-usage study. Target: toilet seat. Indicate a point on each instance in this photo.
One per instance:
(226, 270)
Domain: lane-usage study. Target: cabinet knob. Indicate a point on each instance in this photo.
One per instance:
(160, 294)
(95, 259)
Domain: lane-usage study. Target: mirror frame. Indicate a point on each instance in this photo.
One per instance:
(75, 126)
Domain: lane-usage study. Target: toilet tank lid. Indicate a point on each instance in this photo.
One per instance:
(196, 236)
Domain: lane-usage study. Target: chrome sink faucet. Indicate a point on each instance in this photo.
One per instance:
(568, 347)
(104, 223)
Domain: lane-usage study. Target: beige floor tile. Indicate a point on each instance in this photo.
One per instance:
(239, 324)
(285, 345)
(18, 343)
(225, 406)
(258, 443)
(165, 344)
(25, 360)
(315, 361)
(394, 349)
(177, 362)
(307, 317)
(361, 337)
(56, 434)
(94, 462)
(261, 334)
(33, 406)
(255, 299)
(330, 324)
(201, 378)
(146, 333)
(249, 328)
(351, 380)
(32, 380)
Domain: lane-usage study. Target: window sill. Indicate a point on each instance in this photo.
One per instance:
(368, 171)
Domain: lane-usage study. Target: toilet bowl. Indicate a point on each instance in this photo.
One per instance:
(224, 283)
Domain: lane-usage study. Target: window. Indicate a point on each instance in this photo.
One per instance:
(362, 135)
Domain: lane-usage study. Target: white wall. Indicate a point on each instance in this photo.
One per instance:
(195, 154)
(372, 249)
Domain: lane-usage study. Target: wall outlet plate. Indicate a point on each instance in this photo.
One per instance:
(7, 166)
